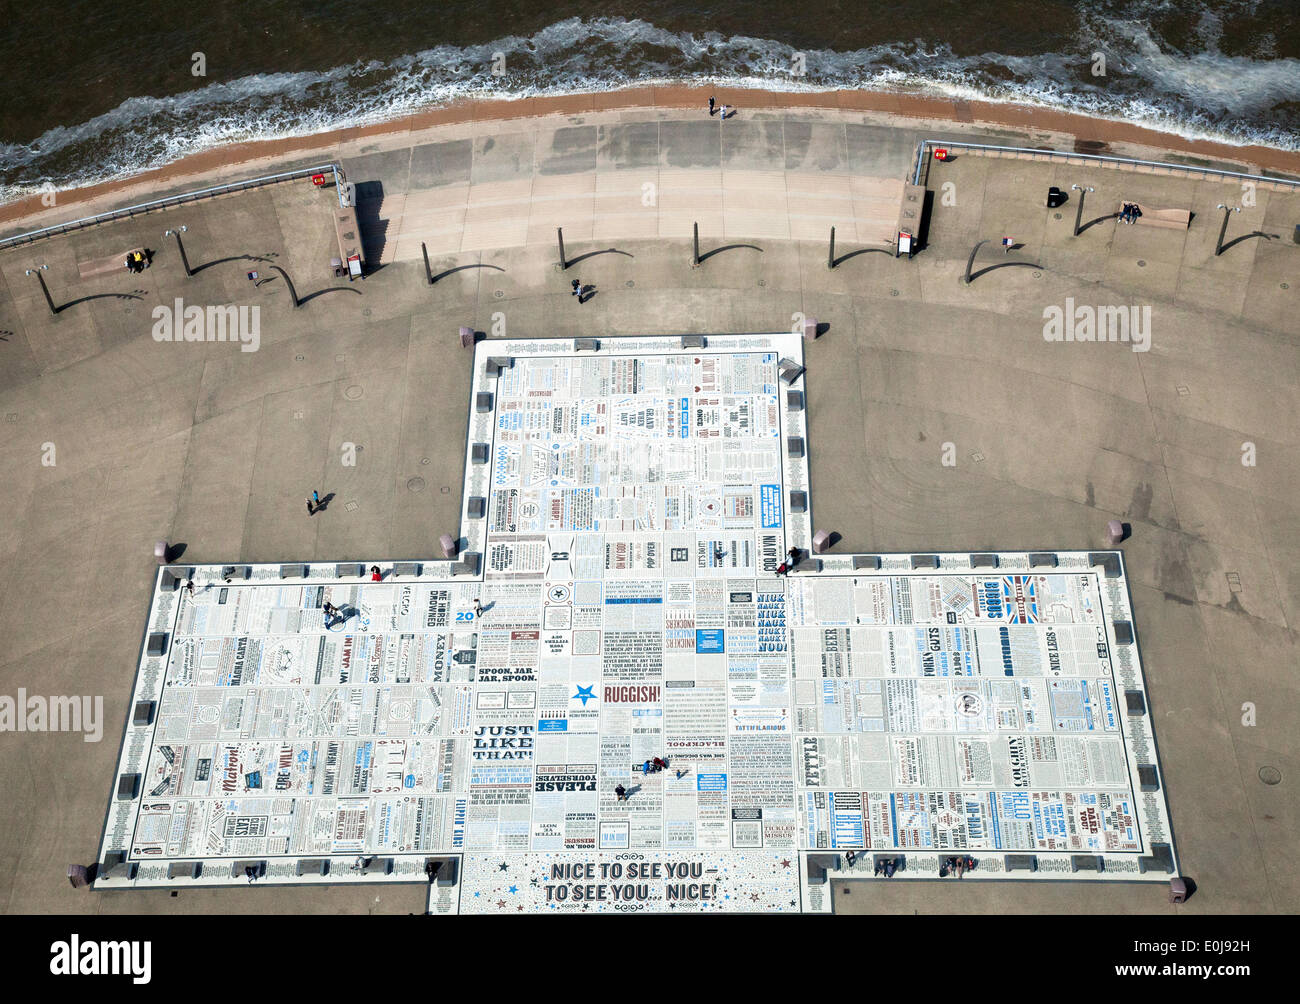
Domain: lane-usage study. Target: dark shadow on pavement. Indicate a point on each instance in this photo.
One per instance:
(221, 261)
(329, 289)
(592, 254)
(1005, 264)
(1099, 219)
(461, 268)
(729, 247)
(97, 296)
(1245, 237)
(854, 254)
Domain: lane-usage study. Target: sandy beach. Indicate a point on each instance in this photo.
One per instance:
(1045, 127)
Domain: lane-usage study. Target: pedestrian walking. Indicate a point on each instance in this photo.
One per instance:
(189, 587)
(375, 574)
(680, 774)
(315, 499)
(645, 767)
(794, 555)
(959, 866)
(660, 764)
(311, 509)
(851, 857)
(621, 792)
(577, 289)
(478, 608)
(330, 611)
(725, 109)
(712, 108)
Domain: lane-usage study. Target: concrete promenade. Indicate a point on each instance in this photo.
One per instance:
(215, 448)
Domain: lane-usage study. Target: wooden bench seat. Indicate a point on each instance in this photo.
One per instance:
(106, 266)
(1169, 219)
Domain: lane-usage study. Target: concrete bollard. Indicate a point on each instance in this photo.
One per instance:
(1177, 891)
(448, 545)
(160, 552)
(466, 338)
(1114, 532)
(809, 329)
(821, 542)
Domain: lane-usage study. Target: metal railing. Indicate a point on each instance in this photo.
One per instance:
(177, 200)
(1097, 158)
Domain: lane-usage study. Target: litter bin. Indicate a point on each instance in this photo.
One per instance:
(1055, 198)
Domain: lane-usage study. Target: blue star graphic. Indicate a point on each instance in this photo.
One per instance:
(514, 888)
(584, 694)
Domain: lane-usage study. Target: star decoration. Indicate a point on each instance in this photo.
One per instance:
(521, 907)
(785, 864)
(584, 694)
(534, 881)
(501, 903)
(513, 889)
(754, 896)
(503, 867)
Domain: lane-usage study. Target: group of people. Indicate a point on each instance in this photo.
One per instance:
(1129, 212)
(957, 866)
(138, 261)
(651, 766)
(333, 615)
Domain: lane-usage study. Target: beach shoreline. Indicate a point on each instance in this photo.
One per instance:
(1068, 131)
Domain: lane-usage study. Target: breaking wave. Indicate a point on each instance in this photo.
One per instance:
(1199, 95)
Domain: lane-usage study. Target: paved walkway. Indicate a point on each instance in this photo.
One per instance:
(211, 447)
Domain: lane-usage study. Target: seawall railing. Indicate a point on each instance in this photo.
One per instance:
(182, 199)
(926, 146)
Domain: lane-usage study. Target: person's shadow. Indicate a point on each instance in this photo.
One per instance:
(586, 293)
(323, 504)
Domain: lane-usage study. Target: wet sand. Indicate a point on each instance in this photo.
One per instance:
(1058, 130)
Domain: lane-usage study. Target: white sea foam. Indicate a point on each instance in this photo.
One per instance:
(1200, 95)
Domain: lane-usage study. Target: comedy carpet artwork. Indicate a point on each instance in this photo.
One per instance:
(619, 600)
